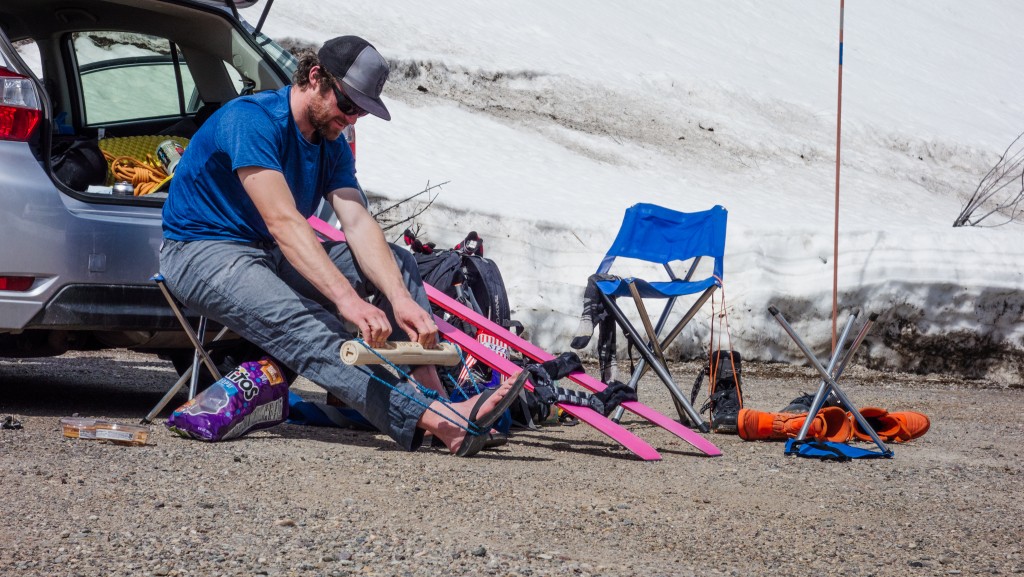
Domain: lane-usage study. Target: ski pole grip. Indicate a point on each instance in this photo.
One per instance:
(399, 353)
(772, 310)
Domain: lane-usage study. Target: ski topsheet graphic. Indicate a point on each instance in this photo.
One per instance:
(506, 367)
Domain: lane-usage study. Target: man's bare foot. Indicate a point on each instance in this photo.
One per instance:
(453, 435)
(426, 375)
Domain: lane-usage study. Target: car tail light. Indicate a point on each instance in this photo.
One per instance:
(16, 283)
(19, 106)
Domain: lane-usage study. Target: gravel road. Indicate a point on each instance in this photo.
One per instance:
(298, 500)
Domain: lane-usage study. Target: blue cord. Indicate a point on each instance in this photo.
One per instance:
(469, 427)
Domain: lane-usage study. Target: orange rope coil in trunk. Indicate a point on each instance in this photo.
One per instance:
(145, 176)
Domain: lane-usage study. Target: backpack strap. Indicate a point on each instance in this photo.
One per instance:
(484, 279)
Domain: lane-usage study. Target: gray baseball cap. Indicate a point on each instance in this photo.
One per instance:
(360, 68)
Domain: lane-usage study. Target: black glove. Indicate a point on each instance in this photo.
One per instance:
(562, 365)
(616, 394)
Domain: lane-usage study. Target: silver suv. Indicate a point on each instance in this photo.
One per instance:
(75, 256)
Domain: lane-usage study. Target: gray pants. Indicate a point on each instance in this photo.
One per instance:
(254, 291)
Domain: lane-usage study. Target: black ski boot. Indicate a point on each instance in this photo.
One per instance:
(727, 393)
(802, 404)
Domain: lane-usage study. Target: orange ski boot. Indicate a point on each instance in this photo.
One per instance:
(894, 427)
(763, 426)
(838, 427)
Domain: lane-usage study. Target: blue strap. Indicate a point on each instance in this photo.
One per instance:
(469, 426)
(321, 414)
(831, 450)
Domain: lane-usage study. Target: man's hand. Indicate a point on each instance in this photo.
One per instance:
(416, 322)
(370, 320)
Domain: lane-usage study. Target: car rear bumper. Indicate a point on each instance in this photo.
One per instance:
(106, 307)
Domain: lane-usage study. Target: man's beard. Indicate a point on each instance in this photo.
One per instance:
(321, 117)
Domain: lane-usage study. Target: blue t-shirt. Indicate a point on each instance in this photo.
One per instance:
(206, 199)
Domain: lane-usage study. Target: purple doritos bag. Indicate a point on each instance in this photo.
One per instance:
(253, 396)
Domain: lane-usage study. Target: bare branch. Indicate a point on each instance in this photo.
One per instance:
(407, 199)
(405, 220)
(396, 214)
(1001, 190)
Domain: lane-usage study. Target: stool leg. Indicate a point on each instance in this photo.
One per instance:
(856, 345)
(641, 367)
(187, 376)
(634, 382)
(823, 387)
(167, 397)
(192, 373)
(193, 384)
(659, 369)
(196, 342)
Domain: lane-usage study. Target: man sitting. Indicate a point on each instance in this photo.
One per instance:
(238, 249)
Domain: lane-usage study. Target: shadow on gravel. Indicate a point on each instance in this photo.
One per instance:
(380, 442)
(61, 386)
(684, 453)
(332, 435)
(545, 439)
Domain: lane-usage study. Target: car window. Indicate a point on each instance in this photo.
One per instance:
(29, 52)
(285, 59)
(130, 77)
(236, 79)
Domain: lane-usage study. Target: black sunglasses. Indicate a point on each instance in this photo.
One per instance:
(345, 104)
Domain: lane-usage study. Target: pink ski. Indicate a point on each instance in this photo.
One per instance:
(617, 432)
(535, 353)
(483, 354)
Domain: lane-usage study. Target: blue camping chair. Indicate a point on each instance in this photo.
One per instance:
(662, 236)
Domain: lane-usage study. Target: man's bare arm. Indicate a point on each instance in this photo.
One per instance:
(270, 193)
(377, 262)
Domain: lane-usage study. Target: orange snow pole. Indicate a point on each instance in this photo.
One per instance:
(839, 134)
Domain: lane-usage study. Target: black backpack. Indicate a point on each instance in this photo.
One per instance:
(78, 164)
(464, 274)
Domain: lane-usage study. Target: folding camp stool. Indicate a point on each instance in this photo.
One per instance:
(662, 236)
(201, 356)
(830, 376)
